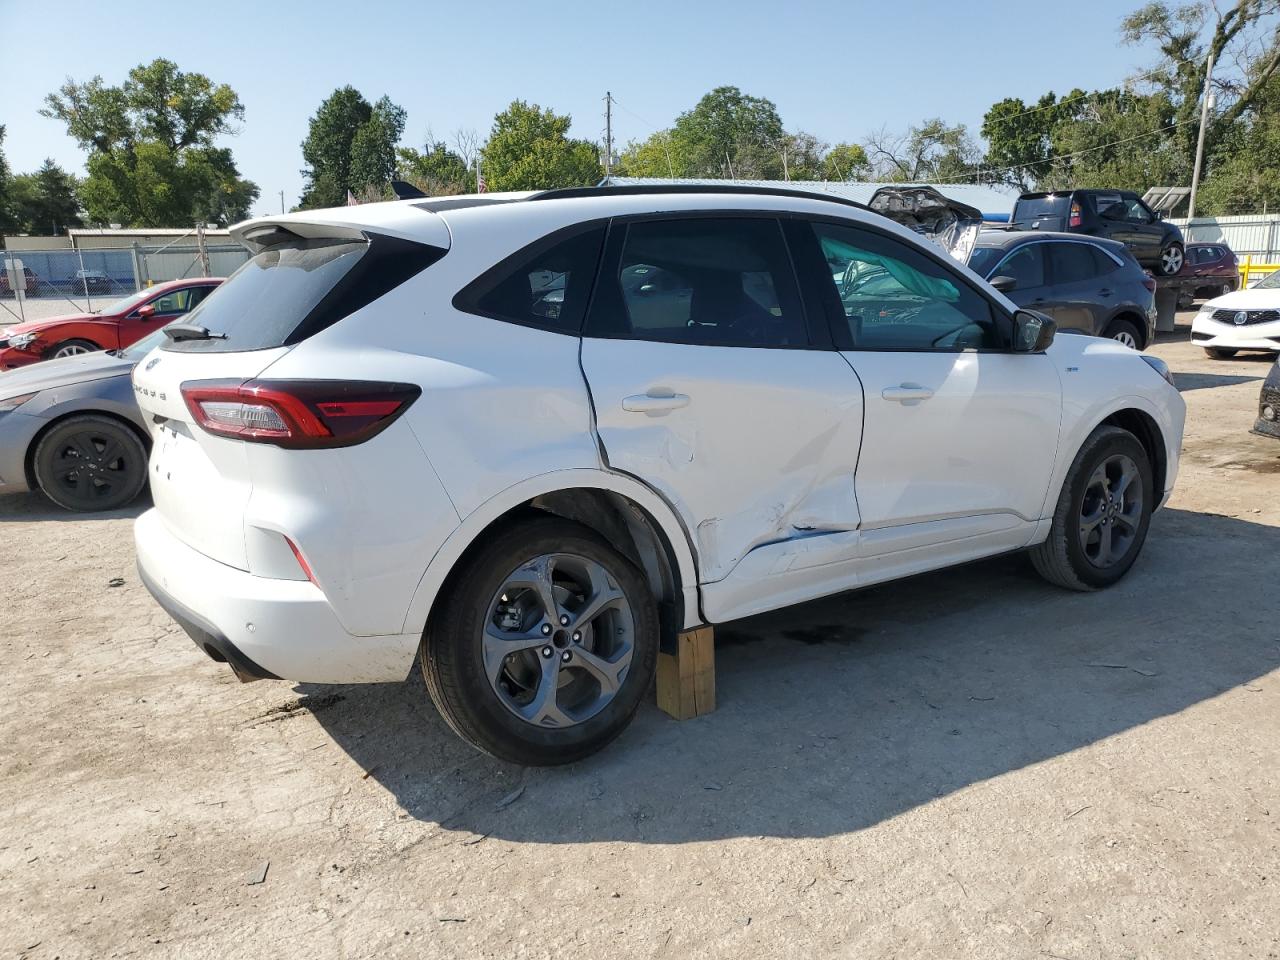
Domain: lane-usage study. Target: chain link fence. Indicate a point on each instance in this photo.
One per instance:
(91, 279)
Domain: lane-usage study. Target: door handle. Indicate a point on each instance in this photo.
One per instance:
(1104, 292)
(906, 393)
(648, 403)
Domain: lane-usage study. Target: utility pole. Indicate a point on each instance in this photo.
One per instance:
(282, 201)
(1204, 126)
(202, 251)
(608, 134)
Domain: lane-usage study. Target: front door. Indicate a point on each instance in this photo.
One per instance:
(706, 386)
(961, 433)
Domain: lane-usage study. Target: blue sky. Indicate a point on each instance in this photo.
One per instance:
(836, 69)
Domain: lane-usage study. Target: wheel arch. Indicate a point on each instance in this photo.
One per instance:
(1144, 426)
(1131, 316)
(637, 521)
(29, 458)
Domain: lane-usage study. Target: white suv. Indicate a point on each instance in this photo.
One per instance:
(528, 438)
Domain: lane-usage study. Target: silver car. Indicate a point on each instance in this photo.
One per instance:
(71, 429)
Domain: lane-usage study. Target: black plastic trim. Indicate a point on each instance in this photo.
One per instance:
(733, 189)
(205, 635)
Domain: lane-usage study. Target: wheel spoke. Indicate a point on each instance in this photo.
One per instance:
(610, 673)
(112, 451)
(84, 447)
(1104, 544)
(500, 644)
(537, 576)
(1128, 522)
(544, 709)
(604, 596)
(1090, 520)
(1127, 477)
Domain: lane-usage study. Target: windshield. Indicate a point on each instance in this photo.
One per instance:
(144, 346)
(1270, 282)
(128, 303)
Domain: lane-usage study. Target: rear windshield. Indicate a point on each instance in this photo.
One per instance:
(293, 290)
(1032, 207)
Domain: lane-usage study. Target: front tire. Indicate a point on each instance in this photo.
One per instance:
(90, 462)
(72, 348)
(1218, 353)
(1101, 518)
(544, 645)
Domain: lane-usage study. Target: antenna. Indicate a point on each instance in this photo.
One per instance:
(608, 133)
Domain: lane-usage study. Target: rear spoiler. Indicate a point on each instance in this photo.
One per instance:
(406, 221)
(952, 225)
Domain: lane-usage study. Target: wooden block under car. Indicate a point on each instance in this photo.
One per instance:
(687, 677)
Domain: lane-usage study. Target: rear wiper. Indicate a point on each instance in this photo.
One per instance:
(177, 332)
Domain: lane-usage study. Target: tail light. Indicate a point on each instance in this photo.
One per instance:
(1077, 218)
(1148, 281)
(297, 414)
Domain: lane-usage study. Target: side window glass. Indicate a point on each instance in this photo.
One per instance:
(1026, 265)
(176, 302)
(1135, 212)
(546, 285)
(1109, 206)
(725, 282)
(1072, 262)
(1102, 262)
(897, 298)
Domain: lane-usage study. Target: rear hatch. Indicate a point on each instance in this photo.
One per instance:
(304, 276)
(1042, 211)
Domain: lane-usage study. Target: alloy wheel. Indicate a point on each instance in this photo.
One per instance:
(89, 467)
(1127, 338)
(1111, 511)
(69, 350)
(1171, 260)
(558, 640)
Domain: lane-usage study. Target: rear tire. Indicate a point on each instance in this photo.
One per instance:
(1219, 353)
(1101, 518)
(533, 688)
(90, 462)
(1122, 331)
(1172, 257)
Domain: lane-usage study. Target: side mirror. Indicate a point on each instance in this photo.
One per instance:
(1032, 332)
(1004, 284)
(146, 311)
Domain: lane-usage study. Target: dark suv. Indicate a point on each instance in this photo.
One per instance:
(1113, 214)
(1087, 285)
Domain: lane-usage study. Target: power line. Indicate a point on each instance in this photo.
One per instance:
(1085, 96)
(984, 171)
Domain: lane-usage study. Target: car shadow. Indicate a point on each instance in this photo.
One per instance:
(841, 713)
(1186, 382)
(29, 507)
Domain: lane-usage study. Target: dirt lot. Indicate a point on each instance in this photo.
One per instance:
(969, 764)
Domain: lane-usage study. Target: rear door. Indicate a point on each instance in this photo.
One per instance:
(1077, 288)
(708, 386)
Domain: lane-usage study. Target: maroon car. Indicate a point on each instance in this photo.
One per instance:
(1214, 267)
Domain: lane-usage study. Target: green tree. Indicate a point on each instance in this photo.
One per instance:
(845, 161)
(529, 149)
(350, 146)
(152, 159)
(436, 171)
(6, 211)
(45, 202)
(931, 151)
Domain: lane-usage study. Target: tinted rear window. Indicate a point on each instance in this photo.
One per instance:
(293, 290)
(1032, 207)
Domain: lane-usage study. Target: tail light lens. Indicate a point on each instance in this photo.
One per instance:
(297, 414)
(1148, 281)
(1077, 218)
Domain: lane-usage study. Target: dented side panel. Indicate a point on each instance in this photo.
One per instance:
(755, 447)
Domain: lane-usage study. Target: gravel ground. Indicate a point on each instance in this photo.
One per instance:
(966, 764)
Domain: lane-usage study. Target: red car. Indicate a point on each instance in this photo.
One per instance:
(113, 328)
(1214, 267)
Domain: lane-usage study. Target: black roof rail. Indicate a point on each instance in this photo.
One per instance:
(739, 189)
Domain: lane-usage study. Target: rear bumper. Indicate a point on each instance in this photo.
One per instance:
(262, 627)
